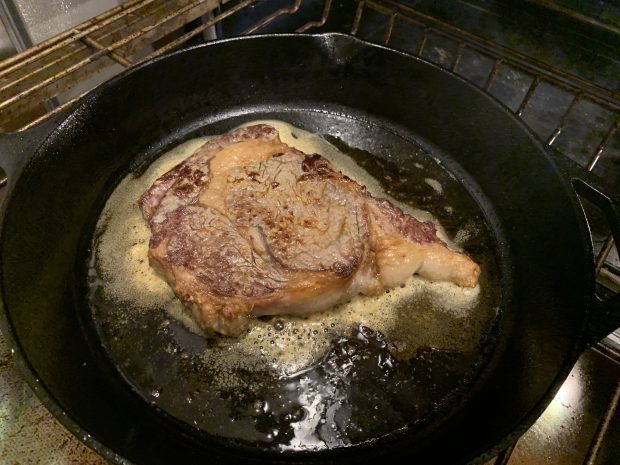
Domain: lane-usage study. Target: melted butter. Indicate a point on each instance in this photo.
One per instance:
(122, 243)
(286, 344)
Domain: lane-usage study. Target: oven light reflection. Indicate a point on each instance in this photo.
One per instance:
(568, 399)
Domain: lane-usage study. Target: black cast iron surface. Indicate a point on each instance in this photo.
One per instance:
(541, 241)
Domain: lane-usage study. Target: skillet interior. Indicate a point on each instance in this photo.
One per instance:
(545, 263)
(357, 391)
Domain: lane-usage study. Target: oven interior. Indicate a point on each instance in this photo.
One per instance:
(553, 63)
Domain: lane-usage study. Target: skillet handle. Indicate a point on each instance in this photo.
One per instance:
(605, 317)
(16, 148)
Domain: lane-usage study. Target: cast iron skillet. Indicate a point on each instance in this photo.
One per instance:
(61, 172)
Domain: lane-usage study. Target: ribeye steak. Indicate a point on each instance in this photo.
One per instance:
(249, 226)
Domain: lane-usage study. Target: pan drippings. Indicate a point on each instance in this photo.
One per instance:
(336, 378)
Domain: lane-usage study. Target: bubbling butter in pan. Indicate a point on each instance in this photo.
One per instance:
(287, 344)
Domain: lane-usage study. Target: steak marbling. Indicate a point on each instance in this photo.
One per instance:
(249, 226)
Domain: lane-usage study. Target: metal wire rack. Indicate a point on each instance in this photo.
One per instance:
(40, 81)
(502, 59)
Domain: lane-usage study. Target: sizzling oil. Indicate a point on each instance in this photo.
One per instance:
(290, 382)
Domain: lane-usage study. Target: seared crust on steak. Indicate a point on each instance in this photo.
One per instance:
(248, 226)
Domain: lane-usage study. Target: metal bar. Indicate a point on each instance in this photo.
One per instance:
(493, 73)
(604, 253)
(63, 35)
(210, 33)
(45, 67)
(80, 48)
(150, 27)
(457, 57)
(389, 29)
(25, 80)
(612, 269)
(327, 6)
(74, 35)
(135, 35)
(115, 56)
(46, 116)
(604, 143)
(610, 352)
(603, 426)
(528, 96)
(609, 275)
(167, 24)
(605, 103)
(111, 33)
(15, 25)
(526, 62)
(120, 28)
(423, 40)
(388, 11)
(572, 89)
(266, 20)
(185, 37)
(504, 456)
(40, 85)
(558, 130)
(358, 17)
